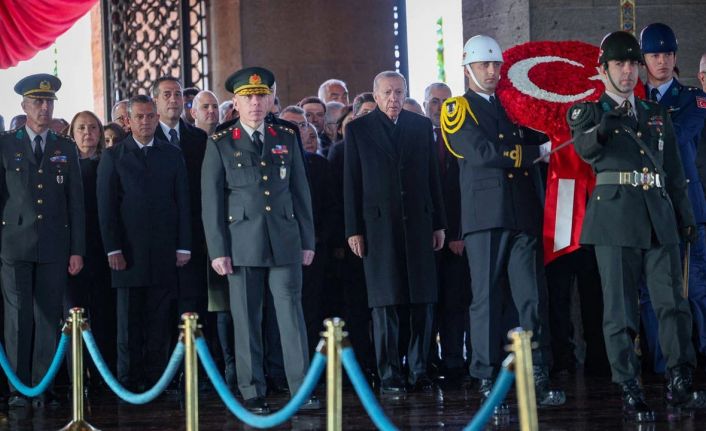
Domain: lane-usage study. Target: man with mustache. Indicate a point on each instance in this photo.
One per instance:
(635, 219)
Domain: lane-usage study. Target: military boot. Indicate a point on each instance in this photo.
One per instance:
(634, 406)
(546, 397)
(680, 391)
(486, 385)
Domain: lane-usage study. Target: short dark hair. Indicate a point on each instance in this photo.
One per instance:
(311, 99)
(191, 91)
(360, 99)
(117, 129)
(140, 98)
(155, 85)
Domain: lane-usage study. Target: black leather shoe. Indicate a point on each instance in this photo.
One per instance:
(312, 403)
(634, 406)
(486, 386)
(257, 405)
(422, 384)
(393, 386)
(17, 401)
(546, 397)
(680, 392)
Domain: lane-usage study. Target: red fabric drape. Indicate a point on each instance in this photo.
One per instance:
(29, 26)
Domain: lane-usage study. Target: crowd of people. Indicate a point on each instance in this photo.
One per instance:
(418, 224)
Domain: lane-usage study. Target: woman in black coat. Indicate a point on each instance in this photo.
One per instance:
(90, 288)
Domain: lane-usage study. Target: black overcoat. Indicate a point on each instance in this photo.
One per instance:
(392, 196)
(143, 209)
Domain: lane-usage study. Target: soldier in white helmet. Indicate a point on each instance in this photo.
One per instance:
(501, 218)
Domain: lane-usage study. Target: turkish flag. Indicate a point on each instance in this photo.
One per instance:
(540, 82)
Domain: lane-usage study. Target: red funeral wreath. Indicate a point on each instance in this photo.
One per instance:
(540, 82)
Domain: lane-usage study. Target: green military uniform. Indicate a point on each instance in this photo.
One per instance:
(41, 202)
(257, 211)
(632, 220)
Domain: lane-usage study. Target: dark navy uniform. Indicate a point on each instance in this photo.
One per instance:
(687, 109)
(501, 225)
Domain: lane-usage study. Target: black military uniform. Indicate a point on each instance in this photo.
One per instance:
(632, 221)
(501, 217)
(43, 224)
(257, 211)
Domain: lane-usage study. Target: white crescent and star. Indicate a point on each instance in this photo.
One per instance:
(518, 74)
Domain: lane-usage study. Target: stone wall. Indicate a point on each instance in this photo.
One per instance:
(517, 21)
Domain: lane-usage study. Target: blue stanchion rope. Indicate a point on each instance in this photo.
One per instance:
(318, 364)
(497, 395)
(127, 396)
(367, 398)
(48, 377)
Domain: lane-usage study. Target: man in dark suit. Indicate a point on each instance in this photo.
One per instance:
(451, 319)
(259, 230)
(501, 218)
(634, 220)
(395, 220)
(143, 209)
(167, 94)
(43, 232)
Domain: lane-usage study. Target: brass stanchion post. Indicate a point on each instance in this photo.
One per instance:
(190, 327)
(77, 323)
(524, 377)
(334, 389)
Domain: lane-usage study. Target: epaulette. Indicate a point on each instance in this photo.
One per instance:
(8, 132)
(222, 133)
(63, 136)
(283, 128)
(581, 114)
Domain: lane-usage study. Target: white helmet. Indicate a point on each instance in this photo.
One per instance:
(481, 48)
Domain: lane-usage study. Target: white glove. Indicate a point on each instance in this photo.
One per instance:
(544, 151)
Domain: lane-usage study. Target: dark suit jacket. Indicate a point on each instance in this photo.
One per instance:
(623, 215)
(192, 143)
(256, 205)
(496, 172)
(451, 191)
(392, 196)
(42, 208)
(323, 201)
(143, 208)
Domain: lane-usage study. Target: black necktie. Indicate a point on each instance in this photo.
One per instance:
(491, 99)
(38, 152)
(654, 94)
(145, 150)
(173, 138)
(628, 108)
(257, 141)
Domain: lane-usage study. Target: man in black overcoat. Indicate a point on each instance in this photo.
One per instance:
(143, 208)
(395, 219)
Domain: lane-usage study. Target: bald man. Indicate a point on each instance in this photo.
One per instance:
(204, 109)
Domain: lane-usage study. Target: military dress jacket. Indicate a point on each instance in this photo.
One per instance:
(392, 196)
(143, 210)
(497, 174)
(256, 205)
(624, 215)
(687, 109)
(42, 207)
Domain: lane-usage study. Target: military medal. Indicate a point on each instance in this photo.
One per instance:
(660, 142)
(282, 172)
(59, 178)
